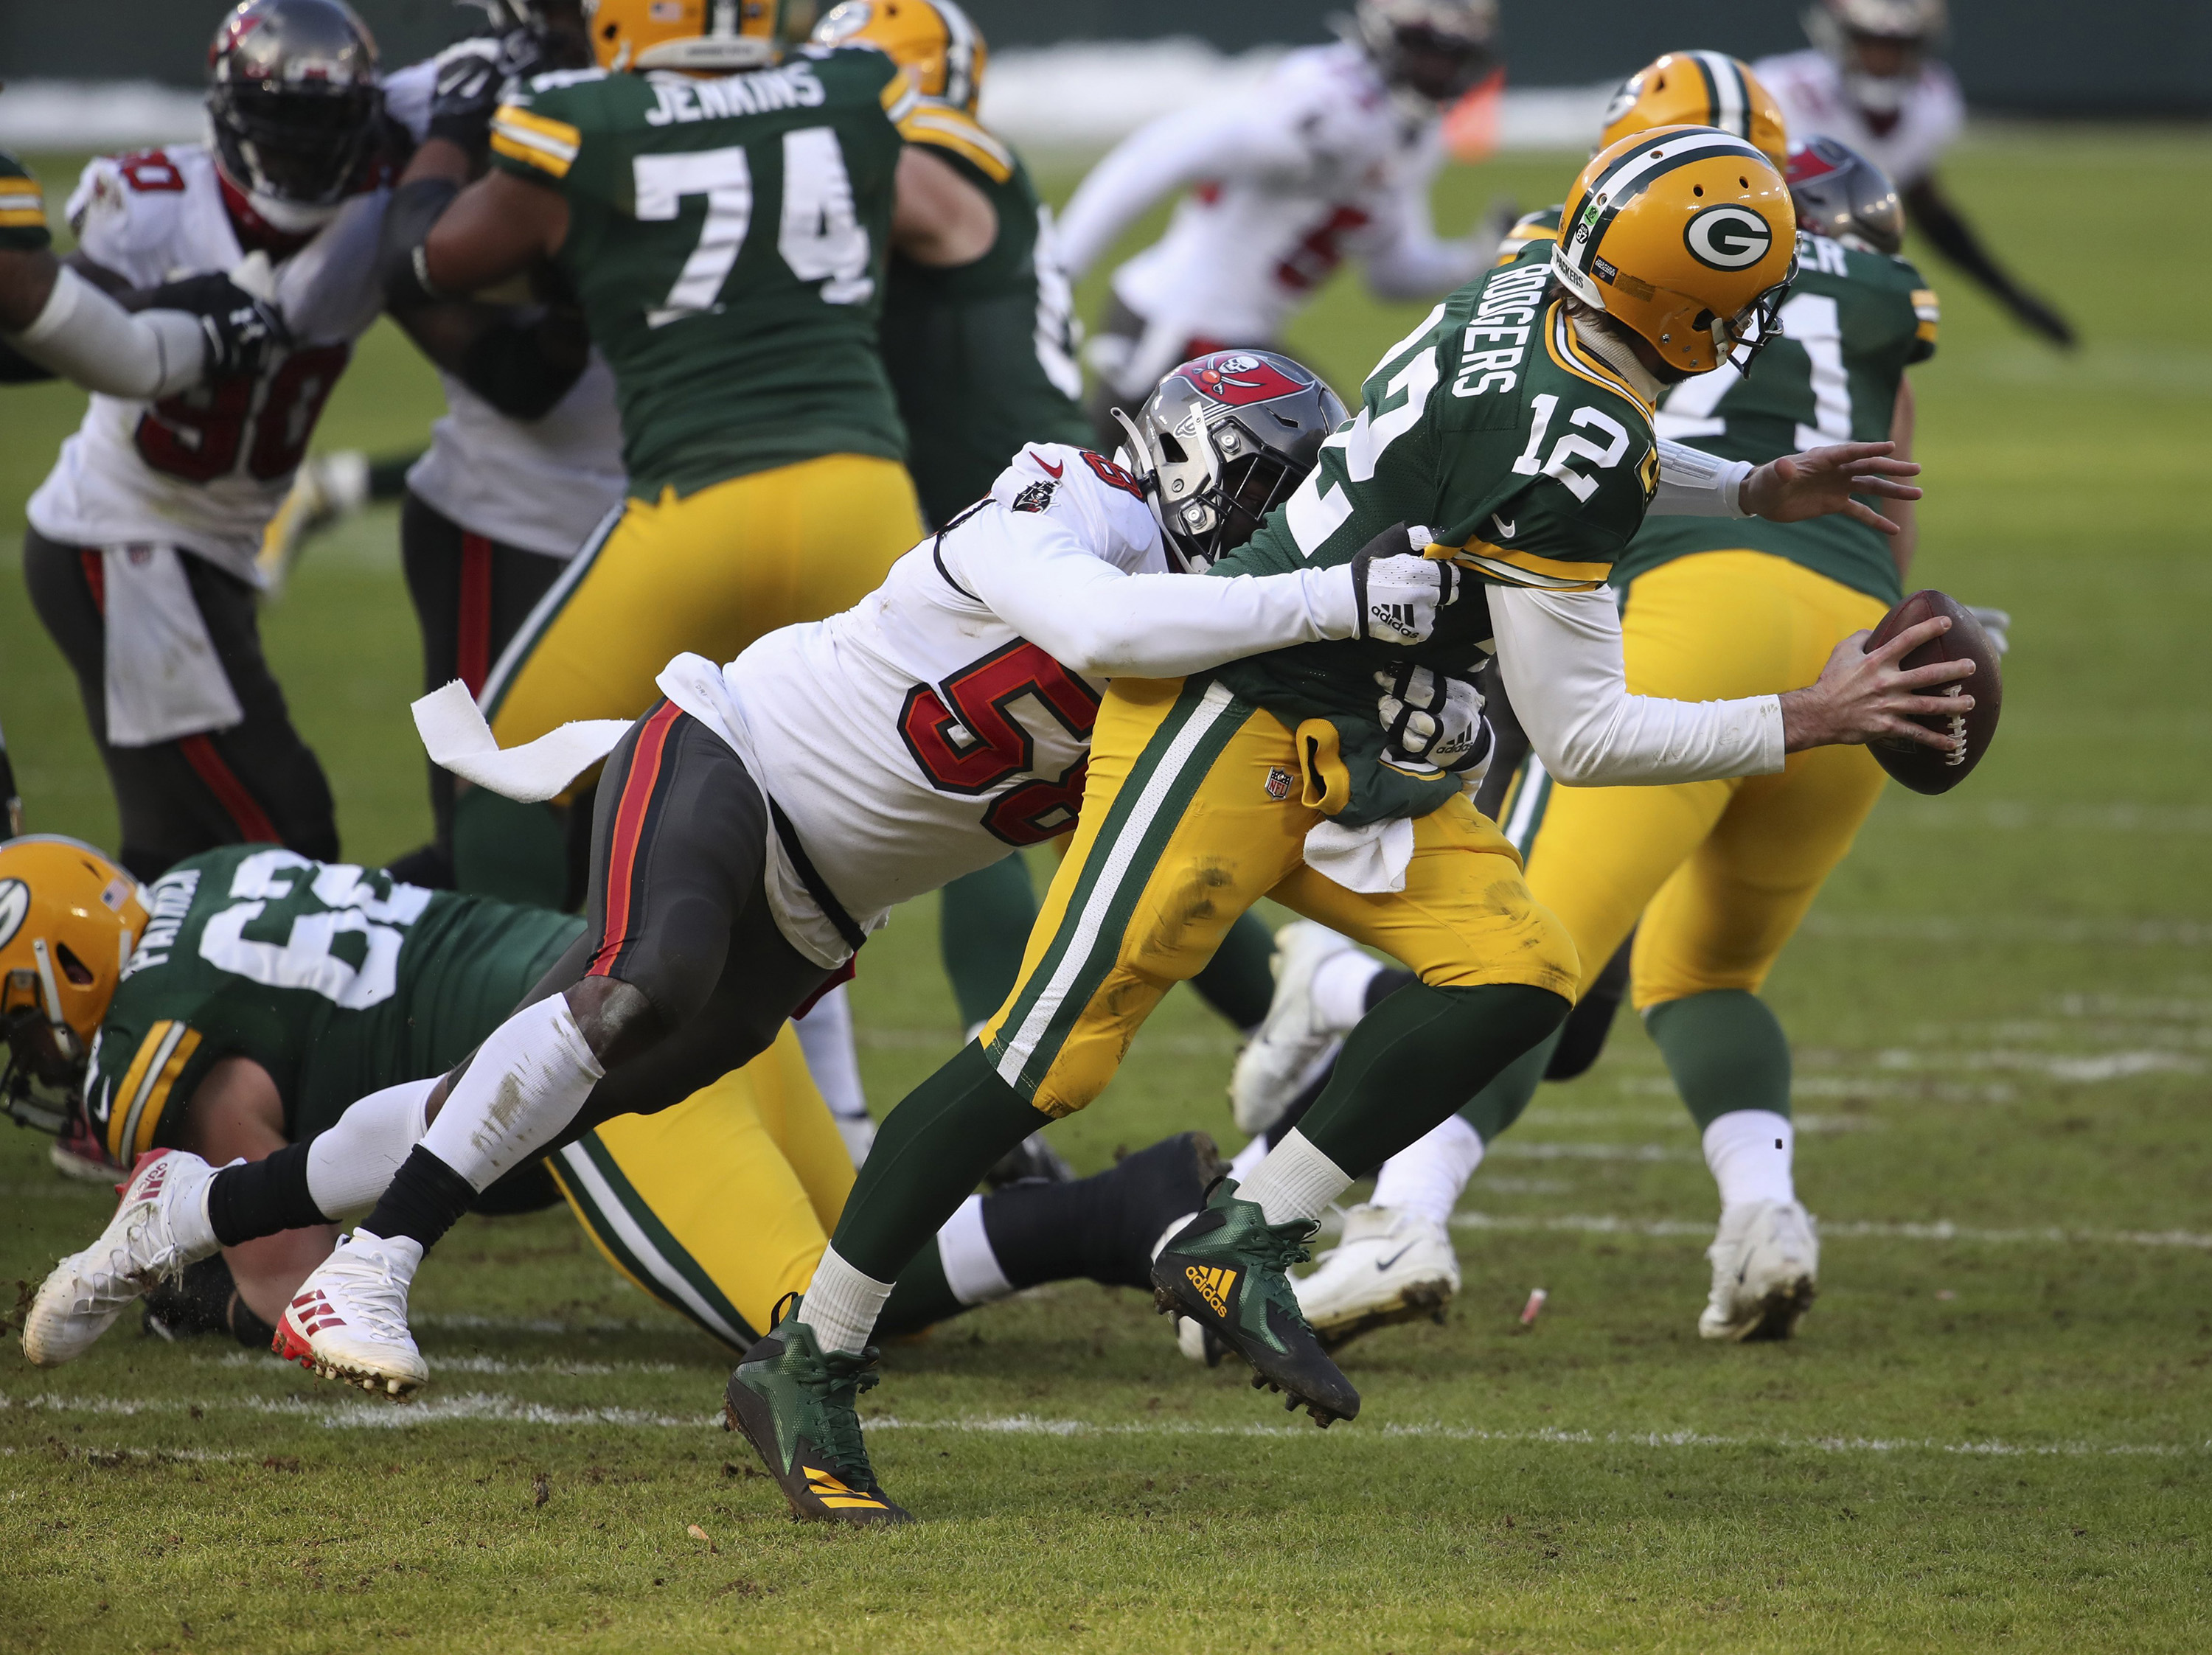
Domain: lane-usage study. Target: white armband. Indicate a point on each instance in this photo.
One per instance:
(1694, 483)
(85, 335)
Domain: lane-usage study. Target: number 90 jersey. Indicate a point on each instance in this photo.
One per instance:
(204, 469)
(726, 239)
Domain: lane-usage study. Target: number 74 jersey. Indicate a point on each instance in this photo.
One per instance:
(204, 470)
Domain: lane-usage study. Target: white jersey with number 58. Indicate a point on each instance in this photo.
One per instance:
(206, 470)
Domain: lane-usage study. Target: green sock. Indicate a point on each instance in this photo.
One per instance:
(1726, 1051)
(1414, 1058)
(1499, 1104)
(1239, 982)
(920, 1296)
(514, 852)
(983, 922)
(929, 1156)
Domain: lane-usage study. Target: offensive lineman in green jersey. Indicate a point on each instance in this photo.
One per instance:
(721, 205)
(266, 993)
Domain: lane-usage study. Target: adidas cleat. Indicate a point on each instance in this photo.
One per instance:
(1227, 1271)
(160, 1225)
(1391, 1266)
(1766, 1266)
(348, 1320)
(1290, 1048)
(795, 1405)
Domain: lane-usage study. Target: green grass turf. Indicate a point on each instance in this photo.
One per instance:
(1989, 1436)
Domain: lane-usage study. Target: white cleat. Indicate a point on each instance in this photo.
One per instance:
(1289, 1048)
(160, 1225)
(1391, 1266)
(348, 1320)
(1766, 1268)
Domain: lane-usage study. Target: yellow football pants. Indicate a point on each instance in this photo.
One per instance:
(1721, 871)
(722, 1204)
(706, 572)
(1195, 808)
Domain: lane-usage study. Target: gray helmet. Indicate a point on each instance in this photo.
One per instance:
(1222, 442)
(296, 109)
(1840, 194)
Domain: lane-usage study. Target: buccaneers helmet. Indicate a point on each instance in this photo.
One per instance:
(1222, 442)
(1840, 194)
(932, 39)
(1698, 89)
(1432, 51)
(1685, 234)
(296, 112)
(68, 919)
(1879, 45)
(712, 37)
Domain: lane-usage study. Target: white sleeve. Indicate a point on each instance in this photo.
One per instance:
(1694, 483)
(85, 335)
(1559, 655)
(1035, 572)
(1161, 158)
(1410, 262)
(407, 95)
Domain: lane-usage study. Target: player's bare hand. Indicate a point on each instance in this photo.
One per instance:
(1860, 696)
(1820, 483)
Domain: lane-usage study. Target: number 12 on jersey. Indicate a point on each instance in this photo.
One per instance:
(820, 237)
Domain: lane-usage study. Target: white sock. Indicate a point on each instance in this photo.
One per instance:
(1427, 1175)
(524, 1084)
(1749, 1151)
(349, 1165)
(971, 1268)
(825, 1035)
(1296, 1183)
(1246, 1160)
(842, 1305)
(1340, 991)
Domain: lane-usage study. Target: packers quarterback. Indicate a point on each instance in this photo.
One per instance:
(1511, 434)
(240, 1005)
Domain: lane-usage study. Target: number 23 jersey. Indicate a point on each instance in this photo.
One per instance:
(205, 470)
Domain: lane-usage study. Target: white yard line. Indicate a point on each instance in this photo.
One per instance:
(1941, 1230)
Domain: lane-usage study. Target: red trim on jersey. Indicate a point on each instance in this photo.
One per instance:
(95, 576)
(628, 835)
(253, 825)
(472, 644)
(844, 973)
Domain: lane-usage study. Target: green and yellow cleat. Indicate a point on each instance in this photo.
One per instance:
(795, 1405)
(1227, 1270)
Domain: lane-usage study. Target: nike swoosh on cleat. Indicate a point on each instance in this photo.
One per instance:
(1386, 1263)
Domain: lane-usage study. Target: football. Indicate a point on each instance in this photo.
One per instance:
(1923, 769)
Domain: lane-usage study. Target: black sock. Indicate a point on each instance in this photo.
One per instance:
(263, 1198)
(248, 1328)
(425, 1198)
(1054, 1232)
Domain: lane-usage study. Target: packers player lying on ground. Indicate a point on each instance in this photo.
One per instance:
(1509, 433)
(264, 992)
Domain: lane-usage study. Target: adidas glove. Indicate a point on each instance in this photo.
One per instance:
(1397, 593)
(241, 332)
(1433, 720)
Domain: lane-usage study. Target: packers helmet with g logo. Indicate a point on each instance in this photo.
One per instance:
(1686, 235)
(1698, 89)
(931, 39)
(712, 37)
(69, 919)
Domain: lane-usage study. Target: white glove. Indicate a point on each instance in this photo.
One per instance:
(1433, 720)
(1997, 624)
(1397, 593)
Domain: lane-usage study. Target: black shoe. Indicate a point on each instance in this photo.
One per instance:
(1033, 1161)
(794, 1402)
(1227, 1270)
(1159, 1190)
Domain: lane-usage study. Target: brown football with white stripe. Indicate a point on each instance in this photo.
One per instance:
(1925, 769)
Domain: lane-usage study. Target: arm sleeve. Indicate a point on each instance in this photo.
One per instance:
(1411, 262)
(1559, 655)
(1694, 483)
(85, 335)
(1037, 575)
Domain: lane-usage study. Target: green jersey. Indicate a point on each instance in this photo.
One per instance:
(22, 209)
(726, 239)
(1494, 433)
(339, 981)
(983, 356)
(1853, 322)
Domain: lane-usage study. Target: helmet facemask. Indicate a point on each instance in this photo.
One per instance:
(43, 1077)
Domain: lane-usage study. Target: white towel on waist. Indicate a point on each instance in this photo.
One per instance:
(458, 739)
(1370, 860)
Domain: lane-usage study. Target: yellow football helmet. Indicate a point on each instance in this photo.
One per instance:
(1686, 235)
(932, 39)
(68, 919)
(1698, 89)
(710, 37)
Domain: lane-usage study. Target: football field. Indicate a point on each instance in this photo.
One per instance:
(1993, 1431)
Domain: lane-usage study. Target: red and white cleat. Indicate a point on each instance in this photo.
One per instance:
(160, 1225)
(348, 1320)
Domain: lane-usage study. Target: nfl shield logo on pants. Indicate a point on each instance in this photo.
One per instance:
(1278, 782)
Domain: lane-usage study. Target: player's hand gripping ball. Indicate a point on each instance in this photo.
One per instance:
(1923, 769)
